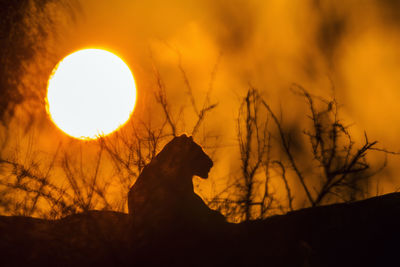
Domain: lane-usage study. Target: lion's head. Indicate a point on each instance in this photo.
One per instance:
(183, 155)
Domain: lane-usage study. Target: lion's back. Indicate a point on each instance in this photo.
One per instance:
(149, 201)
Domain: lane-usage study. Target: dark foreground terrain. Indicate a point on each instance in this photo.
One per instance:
(365, 233)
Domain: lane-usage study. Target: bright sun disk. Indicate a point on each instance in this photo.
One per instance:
(91, 92)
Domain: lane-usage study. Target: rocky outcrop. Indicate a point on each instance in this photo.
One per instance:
(95, 238)
(364, 233)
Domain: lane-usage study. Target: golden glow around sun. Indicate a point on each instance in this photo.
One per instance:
(91, 93)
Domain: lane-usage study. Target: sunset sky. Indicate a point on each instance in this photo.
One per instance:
(351, 46)
(269, 44)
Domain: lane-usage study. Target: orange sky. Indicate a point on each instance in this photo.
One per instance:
(269, 44)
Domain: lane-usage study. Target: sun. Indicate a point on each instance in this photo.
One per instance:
(90, 93)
